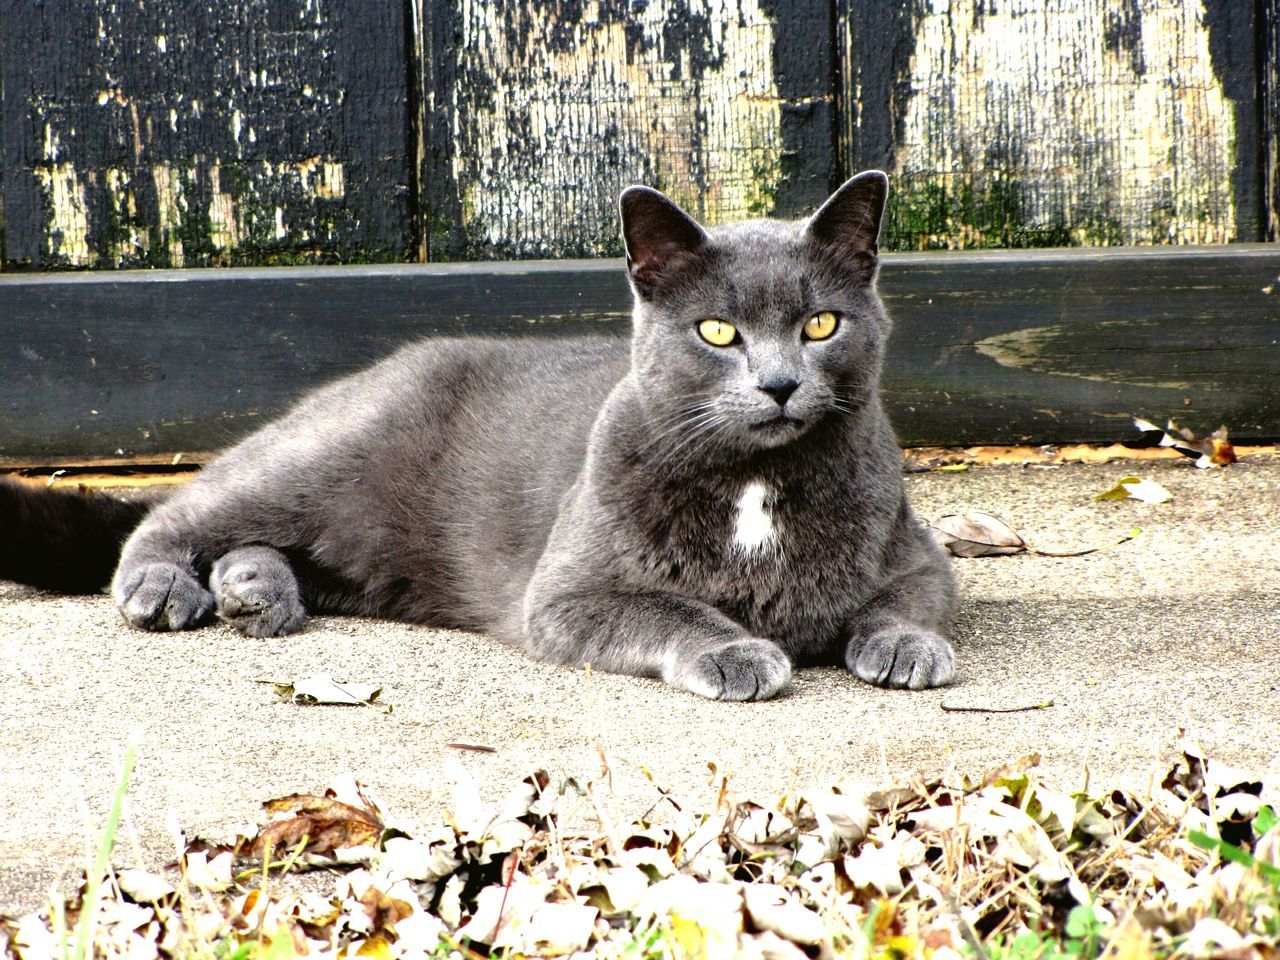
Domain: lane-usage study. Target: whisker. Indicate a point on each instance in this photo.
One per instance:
(700, 434)
(680, 419)
(696, 443)
(686, 424)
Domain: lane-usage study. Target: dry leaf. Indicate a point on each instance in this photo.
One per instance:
(842, 819)
(976, 534)
(876, 868)
(419, 935)
(208, 873)
(775, 909)
(1003, 772)
(705, 918)
(1212, 451)
(142, 886)
(406, 858)
(316, 825)
(323, 689)
(520, 917)
(1135, 488)
(383, 911)
(998, 854)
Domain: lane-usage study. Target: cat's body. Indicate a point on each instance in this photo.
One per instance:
(708, 512)
(420, 489)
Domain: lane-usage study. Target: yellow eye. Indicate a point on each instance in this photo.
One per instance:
(820, 325)
(718, 333)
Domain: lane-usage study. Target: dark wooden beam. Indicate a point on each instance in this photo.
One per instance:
(989, 347)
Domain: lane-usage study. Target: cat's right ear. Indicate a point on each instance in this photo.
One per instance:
(659, 237)
(848, 224)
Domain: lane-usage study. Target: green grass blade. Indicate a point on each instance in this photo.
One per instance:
(1265, 821)
(1229, 851)
(93, 882)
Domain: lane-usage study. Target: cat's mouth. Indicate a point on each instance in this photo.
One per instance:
(778, 424)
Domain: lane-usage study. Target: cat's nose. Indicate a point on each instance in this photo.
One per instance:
(780, 388)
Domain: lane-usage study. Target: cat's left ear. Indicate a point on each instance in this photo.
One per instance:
(849, 222)
(659, 237)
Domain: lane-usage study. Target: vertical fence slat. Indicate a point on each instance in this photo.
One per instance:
(1269, 29)
(1056, 122)
(169, 133)
(540, 113)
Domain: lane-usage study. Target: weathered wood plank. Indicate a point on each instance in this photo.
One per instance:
(989, 346)
(1031, 123)
(126, 363)
(169, 133)
(1270, 115)
(280, 131)
(1061, 345)
(538, 114)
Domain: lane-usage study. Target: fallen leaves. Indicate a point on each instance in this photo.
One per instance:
(980, 534)
(976, 534)
(321, 826)
(1214, 450)
(1173, 442)
(1136, 488)
(917, 870)
(323, 689)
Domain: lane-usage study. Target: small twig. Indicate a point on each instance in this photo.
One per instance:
(1088, 550)
(466, 951)
(514, 859)
(1012, 708)
(612, 842)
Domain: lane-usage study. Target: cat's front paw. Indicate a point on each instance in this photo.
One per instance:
(161, 596)
(257, 593)
(901, 655)
(749, 669)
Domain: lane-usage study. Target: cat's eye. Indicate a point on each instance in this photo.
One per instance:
(718, 333)
(821, 325)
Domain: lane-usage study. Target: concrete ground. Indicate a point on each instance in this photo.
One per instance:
(1178, 629)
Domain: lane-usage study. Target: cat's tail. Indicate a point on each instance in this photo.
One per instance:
(62, 540)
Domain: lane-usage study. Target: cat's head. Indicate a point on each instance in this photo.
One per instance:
(749, 334)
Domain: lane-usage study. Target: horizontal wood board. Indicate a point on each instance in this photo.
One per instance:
(989, 346)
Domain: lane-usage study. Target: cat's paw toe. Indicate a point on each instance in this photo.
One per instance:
(257, 593)
(902, 656)
(161, 596)
(748, 669)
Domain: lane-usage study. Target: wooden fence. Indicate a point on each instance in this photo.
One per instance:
(394, 133)
(245, 132)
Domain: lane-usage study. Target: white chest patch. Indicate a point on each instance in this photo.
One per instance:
(753, 529)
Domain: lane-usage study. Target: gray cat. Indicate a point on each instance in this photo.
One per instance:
(714, 504)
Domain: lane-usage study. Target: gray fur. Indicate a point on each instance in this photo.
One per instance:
(579, 499)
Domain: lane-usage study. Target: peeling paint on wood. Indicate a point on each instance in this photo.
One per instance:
(169, 133)
(1059, 350)
(1270, 90)
(175, 133)
(1056, 122)
(550, 109)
